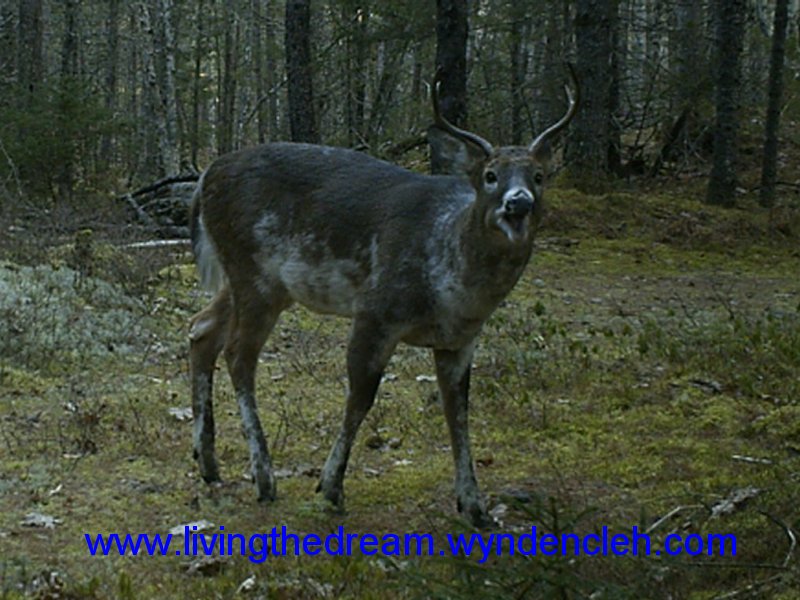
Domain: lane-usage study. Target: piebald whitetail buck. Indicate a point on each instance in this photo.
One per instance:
(411, 258)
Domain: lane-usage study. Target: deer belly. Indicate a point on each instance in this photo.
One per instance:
(448, 333)
(328, 287)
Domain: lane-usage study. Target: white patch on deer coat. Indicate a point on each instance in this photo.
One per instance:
(444, 260)
(328, 286)
(325, 287)
(212, 276)
(374, 265)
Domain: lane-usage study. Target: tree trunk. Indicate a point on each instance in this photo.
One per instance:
(549, 106)
(302, 119)
(729, 15)
(769, 167)
(30, 49)
(689, 68)
(637, 50)
(154, 117)
(452, 30)
(69, 71)
(69, 47)
(686, 51)
(591, 134)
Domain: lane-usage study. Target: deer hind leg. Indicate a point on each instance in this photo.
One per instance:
(452, 373)
(368, 353)
(254, 317)
(207, 333)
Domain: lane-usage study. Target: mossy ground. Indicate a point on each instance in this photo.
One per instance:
(648, 362)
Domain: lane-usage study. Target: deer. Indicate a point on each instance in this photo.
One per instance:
(407, 257)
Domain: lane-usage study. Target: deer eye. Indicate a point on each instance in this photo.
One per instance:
(490, 177)
(538, 179)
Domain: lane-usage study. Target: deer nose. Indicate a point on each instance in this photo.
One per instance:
(518, 202)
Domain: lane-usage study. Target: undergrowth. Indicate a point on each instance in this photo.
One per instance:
(644, 372)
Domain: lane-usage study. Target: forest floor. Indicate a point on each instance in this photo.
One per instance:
(644, 372)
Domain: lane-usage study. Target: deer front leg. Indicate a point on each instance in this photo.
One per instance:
(368, 353)
(452, 372)
(206, 339)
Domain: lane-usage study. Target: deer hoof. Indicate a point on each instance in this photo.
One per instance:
(266, 488)
(209, 470)
(476, 514)
(333, 496)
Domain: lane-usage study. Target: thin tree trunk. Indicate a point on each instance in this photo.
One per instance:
(69, 73)
(356, 19)
(302, 118)
(614, 163)
(8, 39)
(199, 52)
(272, 74)
(227, 93)
(168, 93)
(137, 138)
(520, 30)
(769, 167)
(107, 148)
(416, 87)
(362, 53)
(348, 65)
(256, 29)
(393, 52)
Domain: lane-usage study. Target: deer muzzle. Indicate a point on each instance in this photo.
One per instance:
(518, 202)
(513, 216)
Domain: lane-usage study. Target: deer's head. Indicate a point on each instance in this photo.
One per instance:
(509, 180)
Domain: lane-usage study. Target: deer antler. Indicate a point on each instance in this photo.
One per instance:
(572, 99)
(447, 126)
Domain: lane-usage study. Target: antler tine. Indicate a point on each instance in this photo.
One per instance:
(572, 99)
(447, 126)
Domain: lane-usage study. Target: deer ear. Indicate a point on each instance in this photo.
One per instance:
(451, 155)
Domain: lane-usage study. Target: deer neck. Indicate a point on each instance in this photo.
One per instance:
(489, 257)
(478, 260)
